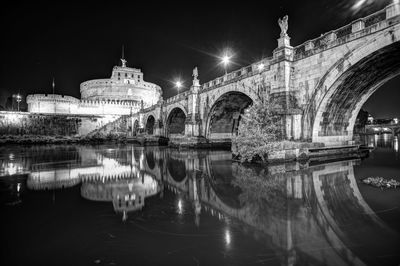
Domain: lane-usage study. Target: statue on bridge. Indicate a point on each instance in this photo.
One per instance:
(123, 61)
(195, 75)
(283, 23)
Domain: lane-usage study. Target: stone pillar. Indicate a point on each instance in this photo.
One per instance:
(283, 55)
(141, 121)
(158, 129)
(192, 123)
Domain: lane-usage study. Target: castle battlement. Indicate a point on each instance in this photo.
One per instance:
(50, 97)
(122, 94)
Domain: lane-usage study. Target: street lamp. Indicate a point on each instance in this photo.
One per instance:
(226, 60)
(178, 85)
(18, 99)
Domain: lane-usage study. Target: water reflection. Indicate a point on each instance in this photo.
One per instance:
(385, 140)
(306, 214)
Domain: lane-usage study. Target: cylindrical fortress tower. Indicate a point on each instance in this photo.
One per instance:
(125, 84)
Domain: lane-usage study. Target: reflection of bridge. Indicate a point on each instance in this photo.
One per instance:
(307, 213)
(385, 128)
(321, 86)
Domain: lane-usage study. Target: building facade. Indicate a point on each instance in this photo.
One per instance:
(125, 92)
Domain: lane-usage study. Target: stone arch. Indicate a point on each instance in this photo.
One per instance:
(176, 169)
(248, 91)
(150, 122)
(224, 114)
(150, 159)
(346, 86)
(226, 194)
(175, 121)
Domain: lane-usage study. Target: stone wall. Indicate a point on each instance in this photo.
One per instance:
(22, 123)
(60, 104)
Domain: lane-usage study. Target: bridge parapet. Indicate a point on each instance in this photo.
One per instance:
(239, 74)
(356, 29)
(177, 97)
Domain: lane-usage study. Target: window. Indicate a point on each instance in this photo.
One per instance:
(126, 75)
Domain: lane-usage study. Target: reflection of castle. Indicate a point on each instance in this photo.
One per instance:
(307, 214)
(121, 94)
(126, 194)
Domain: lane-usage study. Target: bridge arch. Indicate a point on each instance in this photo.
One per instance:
(150, 159)
(175, 121)
(348, 84)
(176, 169)
(150, 122)
(224, 113)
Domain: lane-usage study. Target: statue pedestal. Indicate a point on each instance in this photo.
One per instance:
(284, 51)
(284, 41)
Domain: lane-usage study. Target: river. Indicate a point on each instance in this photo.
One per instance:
(117, 204)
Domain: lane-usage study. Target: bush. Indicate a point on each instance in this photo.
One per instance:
(259, 132)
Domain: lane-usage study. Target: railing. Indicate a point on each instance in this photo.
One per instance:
(177, 97)
(236, 75)
(356, 29)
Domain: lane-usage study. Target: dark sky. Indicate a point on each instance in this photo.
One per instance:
(78, 42)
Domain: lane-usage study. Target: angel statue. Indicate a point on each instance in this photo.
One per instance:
(195, 73)
(283, 23)
(123, 62)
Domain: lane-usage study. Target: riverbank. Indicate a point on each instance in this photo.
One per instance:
(39, 139)
(287, 151)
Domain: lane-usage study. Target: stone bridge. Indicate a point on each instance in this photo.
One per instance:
(389, 128)
(320, 86)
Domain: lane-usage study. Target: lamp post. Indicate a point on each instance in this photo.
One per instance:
(178, 85)
(225, 61)
(18, 99)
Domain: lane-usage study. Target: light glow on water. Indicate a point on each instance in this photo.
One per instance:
(180, 206)
(238, 205)
(227, 237)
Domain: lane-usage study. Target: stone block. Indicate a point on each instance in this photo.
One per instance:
(357, 25)
(392, 10)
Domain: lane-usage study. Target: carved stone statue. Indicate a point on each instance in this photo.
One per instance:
(195, 73)
(283, 23)
(123, 62)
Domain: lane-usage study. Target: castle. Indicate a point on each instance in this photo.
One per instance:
(124, 93)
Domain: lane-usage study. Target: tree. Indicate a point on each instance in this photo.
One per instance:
(259, 130)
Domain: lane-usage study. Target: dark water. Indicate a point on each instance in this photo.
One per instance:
(128, 205)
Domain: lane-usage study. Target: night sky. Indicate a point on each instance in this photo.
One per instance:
(78, 42)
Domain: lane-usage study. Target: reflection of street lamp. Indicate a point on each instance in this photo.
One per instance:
(180, 207)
